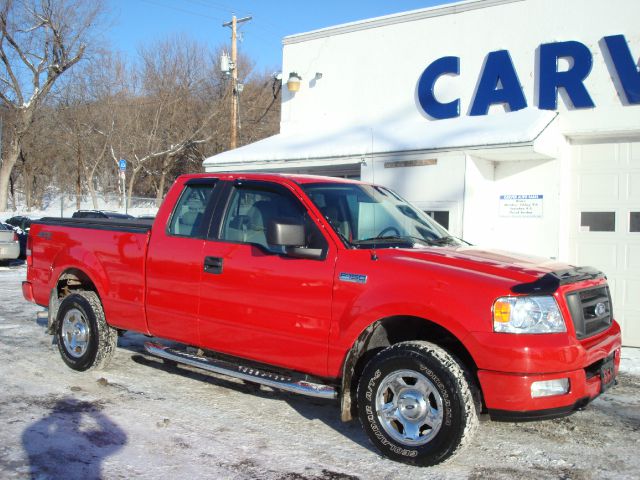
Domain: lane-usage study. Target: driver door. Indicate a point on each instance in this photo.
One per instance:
(256, 302)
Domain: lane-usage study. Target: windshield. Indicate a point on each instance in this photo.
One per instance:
(367, 216)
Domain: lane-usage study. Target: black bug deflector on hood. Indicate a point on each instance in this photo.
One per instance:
(549, 282)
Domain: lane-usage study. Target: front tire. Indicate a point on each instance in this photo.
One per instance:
(416, 404)
(85, 340)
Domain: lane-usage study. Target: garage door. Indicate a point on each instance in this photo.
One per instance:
(605, 229)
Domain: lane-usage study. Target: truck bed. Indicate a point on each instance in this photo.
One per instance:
(131, 226)
(112, 252)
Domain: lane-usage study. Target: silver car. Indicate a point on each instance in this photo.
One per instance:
(9, 244)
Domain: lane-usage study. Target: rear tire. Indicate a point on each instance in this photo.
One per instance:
(85, 340)
(415, 403)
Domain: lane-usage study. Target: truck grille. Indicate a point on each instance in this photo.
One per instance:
(591, 310)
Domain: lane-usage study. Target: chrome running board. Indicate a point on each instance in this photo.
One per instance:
(250, 374)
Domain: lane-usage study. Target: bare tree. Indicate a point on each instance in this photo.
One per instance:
(165, 122)
(163, 112)
(87, 115)
(39, 41)
(260, 114)
(41, 155)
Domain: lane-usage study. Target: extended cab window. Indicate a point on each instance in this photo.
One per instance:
(188, 217)
(251, 209)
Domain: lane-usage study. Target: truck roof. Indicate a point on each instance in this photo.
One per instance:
(298, 178)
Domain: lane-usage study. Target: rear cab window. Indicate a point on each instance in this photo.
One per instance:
(192, 213)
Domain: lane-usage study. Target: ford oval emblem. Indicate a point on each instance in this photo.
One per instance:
(600, 310)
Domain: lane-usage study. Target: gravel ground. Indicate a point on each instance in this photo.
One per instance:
(142, 419)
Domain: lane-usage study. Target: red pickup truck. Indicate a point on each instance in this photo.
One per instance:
(335, 289)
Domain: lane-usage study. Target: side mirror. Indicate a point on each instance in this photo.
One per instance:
(290, 234)
(286, 233)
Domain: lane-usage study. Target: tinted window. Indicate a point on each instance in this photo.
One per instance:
(188, 219)
(598, 221)
(634, 222)
(251, 210)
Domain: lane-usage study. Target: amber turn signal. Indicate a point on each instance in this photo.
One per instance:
(501, 312)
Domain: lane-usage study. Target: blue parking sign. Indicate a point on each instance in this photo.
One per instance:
(122, 164)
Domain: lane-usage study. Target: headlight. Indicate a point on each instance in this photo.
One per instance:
(527, 315)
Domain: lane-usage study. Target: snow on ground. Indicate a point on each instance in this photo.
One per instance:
(630, 361)
(62, 206)
(143, 419)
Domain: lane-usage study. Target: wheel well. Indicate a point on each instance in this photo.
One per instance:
(387, 332)
(74, 279)
(70, 281)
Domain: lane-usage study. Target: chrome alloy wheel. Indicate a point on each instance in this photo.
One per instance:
(409, 407)
(75, 333)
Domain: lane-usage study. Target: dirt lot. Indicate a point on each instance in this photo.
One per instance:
(142, 419)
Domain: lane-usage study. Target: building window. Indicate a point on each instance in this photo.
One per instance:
(598, 221)
(634, 222)
(440, 216)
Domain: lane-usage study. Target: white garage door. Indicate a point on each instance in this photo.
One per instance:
(605, 229)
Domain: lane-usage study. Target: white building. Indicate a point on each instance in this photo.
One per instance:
(517, 122)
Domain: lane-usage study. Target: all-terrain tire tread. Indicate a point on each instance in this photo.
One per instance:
(107, 335)
(103, 340)
(461, 376)
(465, 384)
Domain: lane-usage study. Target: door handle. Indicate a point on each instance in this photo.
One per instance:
(213, 265)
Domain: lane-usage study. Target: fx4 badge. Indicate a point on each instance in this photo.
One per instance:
(353, 278)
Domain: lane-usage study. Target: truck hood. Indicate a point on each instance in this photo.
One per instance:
(540, 274)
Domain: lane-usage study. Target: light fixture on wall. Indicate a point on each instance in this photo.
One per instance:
(293, 84)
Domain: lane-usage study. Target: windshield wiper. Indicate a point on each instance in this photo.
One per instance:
(436, 242)
(394, 238)
(448, 240)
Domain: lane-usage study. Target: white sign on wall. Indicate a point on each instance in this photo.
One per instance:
(521, 205)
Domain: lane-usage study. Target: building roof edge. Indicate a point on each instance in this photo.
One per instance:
(395, 18)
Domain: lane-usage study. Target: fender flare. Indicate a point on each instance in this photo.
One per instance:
(58, 274)
(372, 337)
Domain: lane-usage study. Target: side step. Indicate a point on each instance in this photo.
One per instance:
(282, 382)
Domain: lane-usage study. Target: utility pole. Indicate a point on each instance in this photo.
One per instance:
(234, 77)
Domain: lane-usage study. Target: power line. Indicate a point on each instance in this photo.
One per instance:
(229, 9)
(266, 31)
(219, 6)
(177, 9)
